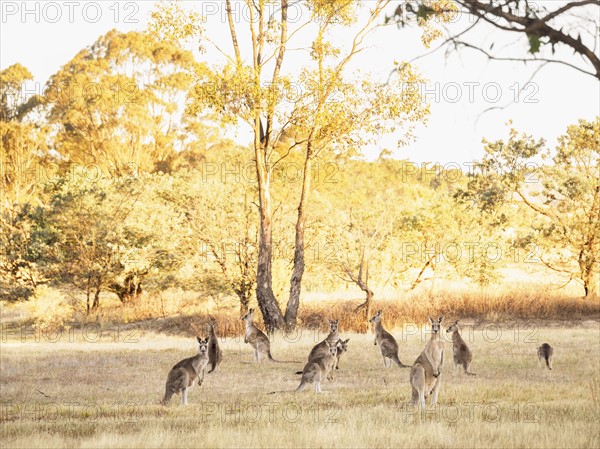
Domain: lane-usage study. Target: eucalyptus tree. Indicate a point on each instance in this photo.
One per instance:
(320, 109)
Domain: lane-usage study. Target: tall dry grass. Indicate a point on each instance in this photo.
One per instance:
(502, 306)
(185, 313)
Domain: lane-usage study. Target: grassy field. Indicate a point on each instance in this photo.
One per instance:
(101, 388)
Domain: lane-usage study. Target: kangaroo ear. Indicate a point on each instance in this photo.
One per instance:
(347, 340)
(430, 319)
(379, 313)
(198, 339)
(441, 318)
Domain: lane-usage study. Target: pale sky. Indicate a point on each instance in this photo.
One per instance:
(44, 35)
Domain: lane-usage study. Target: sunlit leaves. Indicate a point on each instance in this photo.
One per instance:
(120, 102)
(562, 191)
(343, 12)
(429, 15)
(171, 22)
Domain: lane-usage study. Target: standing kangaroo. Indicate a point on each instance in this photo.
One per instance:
(462, 353)
(427, 369)
(342, 346)
(215, 355)
(317, 369)
(387, 343)
(545, 352)
(322, 348)
(183, 374)
(257, 339)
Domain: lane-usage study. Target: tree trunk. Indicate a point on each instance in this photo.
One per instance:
(130, 291)
(291, 312)
(368, 303)
(87, 302)
(244, 297)
(367, 306)
(265, 297)
(96, 303)
(589, 270)
(591, 284)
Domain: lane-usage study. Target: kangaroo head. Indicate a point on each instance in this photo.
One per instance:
(332, 348)
(453, 327)
(202, 345)
(436, 324)
(376, 318)
(249, 317)
(334, 325)
(342, 345)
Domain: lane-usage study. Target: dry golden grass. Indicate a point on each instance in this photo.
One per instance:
(505, 305)
(184, 313)
(104, 392)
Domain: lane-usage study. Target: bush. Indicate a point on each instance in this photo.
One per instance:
(50, 309)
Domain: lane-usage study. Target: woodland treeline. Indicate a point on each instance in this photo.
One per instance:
(119, 178)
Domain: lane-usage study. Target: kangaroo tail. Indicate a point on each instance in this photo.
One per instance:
(167, 398)
(301, 387)
(548, 362)
(398, 363)
(270, 357)
(298, 372)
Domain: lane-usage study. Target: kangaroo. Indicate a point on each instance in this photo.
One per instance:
(317, 369)
(322, 348)
(545, 352)
(183, 374)
(215, 355)
(257, 339)
(462, 353)
(387, 343)
(425, 373)
(342, 346)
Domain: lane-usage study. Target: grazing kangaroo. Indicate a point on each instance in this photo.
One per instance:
(257, 339)
(317, 369)
(387, 343)
(427, 369)
(545, 352)
(215, 355)
(184, 373)
(322, 348)
(342, 346)
(462, 353)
